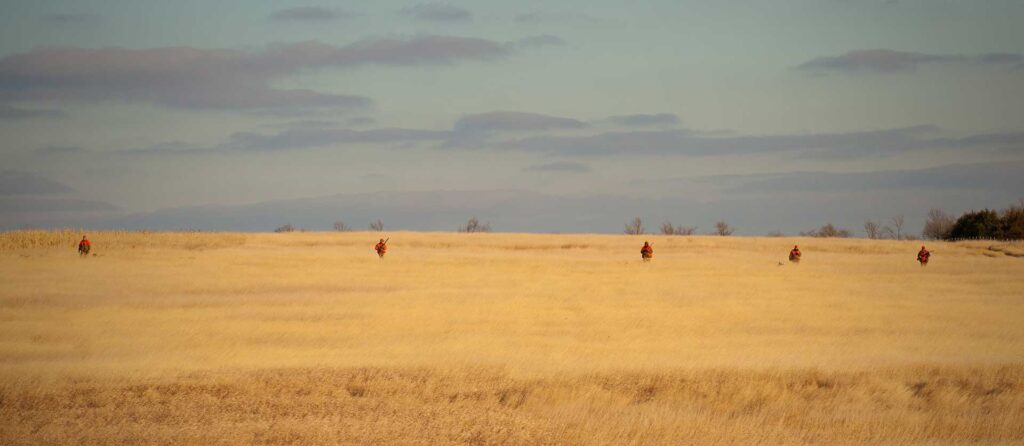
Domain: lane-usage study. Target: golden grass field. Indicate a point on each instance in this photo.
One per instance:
(308, 338)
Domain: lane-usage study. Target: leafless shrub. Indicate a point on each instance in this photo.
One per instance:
(285, 228)
(635, 227)
(775, 234)
(341, 226)
(377, 226)
(826, 231)
(938, 226)
(897, 226)
(474, 225)
(723, 229)
(668, 229)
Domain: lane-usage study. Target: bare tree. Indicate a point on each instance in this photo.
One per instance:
(285, 228)
(722, 228)
(668, 229)
(873, 229)
(377, 226)
(775, 234)
(635, 227)
(474, 225)
(938, 226)
(897, 224)
(341, 226)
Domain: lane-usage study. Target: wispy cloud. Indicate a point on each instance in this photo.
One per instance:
(438, 12)
(310, 14)
(219, 78)
(474, 129)
(539, 41)
(11, 207)
(541, 16)
(15, 182)
(644, 120)
(299, 138)
(59, 150)
(12, 113)
(959, 177)
(559, 166)
(891, 61)
(875, 143)
(66, 18)
(360, 121)
(509, 121)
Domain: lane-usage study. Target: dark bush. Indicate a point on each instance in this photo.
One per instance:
(1013, 222)
(978, 224)
(285, 228)
(474, 225)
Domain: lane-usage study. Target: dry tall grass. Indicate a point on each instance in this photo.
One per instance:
(506, 339)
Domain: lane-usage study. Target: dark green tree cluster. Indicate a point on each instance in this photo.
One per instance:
(989, 224)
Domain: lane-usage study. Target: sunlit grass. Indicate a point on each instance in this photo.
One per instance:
(506, 338)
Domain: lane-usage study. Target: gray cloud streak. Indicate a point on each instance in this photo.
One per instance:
(219, 78)
(59, 150)
(15, 205)
(829, 145)
(538, 17)
(309, 14)
(12, 113)
(642, 120)
(509, 121)
(978, 177)
(318, 137)
(438, 12)
(559, 167)
(539, 41)
(14, 182)
(891, 61)
(66, 18)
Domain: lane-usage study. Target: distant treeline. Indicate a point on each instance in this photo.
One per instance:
(1007, 224)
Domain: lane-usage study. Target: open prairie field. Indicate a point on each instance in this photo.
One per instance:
(308, 338)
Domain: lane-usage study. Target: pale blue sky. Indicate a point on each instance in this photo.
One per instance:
(137, 106)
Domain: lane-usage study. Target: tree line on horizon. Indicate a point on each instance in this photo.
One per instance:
(472, 225)
(1006, 224)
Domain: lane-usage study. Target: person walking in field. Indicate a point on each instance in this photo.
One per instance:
(794, 254)
(84, 247)
(647, 252)
(381, 247)
(923, 255)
